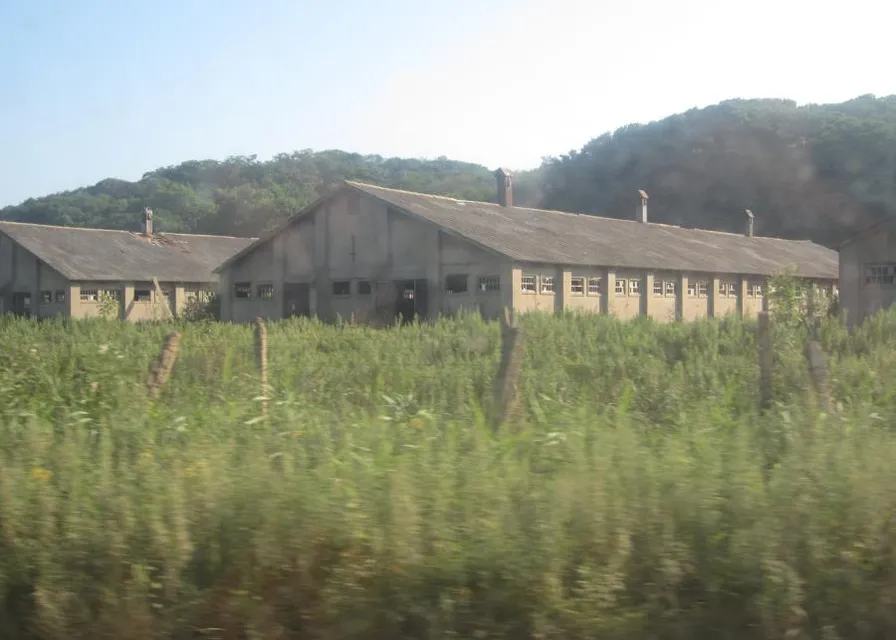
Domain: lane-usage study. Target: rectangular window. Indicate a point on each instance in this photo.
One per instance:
(754, 290)
(634, 287)
(595, 286)
(342, 288)
(727, 289)
(880, 274)
(89, 295)
(702, 289)
(527, 284)
(60, 296)
(657, 287)
(266, 291)
(242, 291)
(456, 283)
(46, 297)
(145, 295)
(577, 286)
(620, 287)
(201, 295)
(692, 289)
(364, 288)
(487, 284)
(113, 294)
(547, 284)
(669, 288)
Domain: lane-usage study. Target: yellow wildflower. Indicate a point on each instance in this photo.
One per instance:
(43, 475)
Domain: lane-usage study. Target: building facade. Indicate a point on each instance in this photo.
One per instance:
(868, 272)
(47, 271)
(367, 252)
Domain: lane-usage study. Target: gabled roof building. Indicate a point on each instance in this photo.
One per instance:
(50, 270)
(373, 252)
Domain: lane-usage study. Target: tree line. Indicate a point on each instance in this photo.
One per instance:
(816, 172)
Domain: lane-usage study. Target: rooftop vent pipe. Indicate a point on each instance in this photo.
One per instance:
(642, 211)
(504, 180)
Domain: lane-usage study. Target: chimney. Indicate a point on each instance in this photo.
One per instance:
(147, 222)
(749, 223)
(642, 212)
(505, 187)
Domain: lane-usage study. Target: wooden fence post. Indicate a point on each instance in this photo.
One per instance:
(506, 398)
(818, 373)
(766, 360)
(162, 367)
(261, 349)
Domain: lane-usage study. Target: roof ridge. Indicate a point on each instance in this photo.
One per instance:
(579, 214)
(130, 231)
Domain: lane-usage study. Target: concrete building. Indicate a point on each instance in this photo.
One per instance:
(372, 252)
(47, 270)
(868, 271)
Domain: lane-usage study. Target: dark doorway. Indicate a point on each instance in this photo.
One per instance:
(21, 304)
(412, 299)
(296, 299)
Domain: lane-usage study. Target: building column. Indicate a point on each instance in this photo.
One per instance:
(741, 295)
(434, 280)
(647, 294)
(609, 296)
(681, 300)
(511, 279)
(127, 300)
(180, 299)
(714, 298)
(563, 289)
(225, 295)
(73, 301)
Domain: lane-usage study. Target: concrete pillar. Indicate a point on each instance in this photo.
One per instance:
(609, 292)
(714, 297)
(563, 289)
(434, 277)
(741, 295)
(127, 300)
(225, 294)
(682, 298)
(647, 295)
(180, 299)
(73, 301)
(280, 269)
(510, 287)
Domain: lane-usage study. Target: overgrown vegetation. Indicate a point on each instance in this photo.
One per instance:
(640, 494)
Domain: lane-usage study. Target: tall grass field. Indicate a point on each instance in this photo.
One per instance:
(639, 492)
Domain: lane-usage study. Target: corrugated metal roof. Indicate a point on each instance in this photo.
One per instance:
(554, 237)
(104, 254)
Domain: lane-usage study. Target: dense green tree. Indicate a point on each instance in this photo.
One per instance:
(814, 171)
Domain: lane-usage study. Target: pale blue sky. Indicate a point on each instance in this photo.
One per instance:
(114, 88)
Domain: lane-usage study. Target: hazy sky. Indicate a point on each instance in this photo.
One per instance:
(113, 88)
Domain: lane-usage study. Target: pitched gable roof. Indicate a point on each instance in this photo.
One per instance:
(104, 254)
(555, 237)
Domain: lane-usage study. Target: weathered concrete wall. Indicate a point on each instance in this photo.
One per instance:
(353, 240)
(865, 287)
(697, 296)
(21, 273)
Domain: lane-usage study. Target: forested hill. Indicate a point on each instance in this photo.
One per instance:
(818, 172)
(242, 195)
